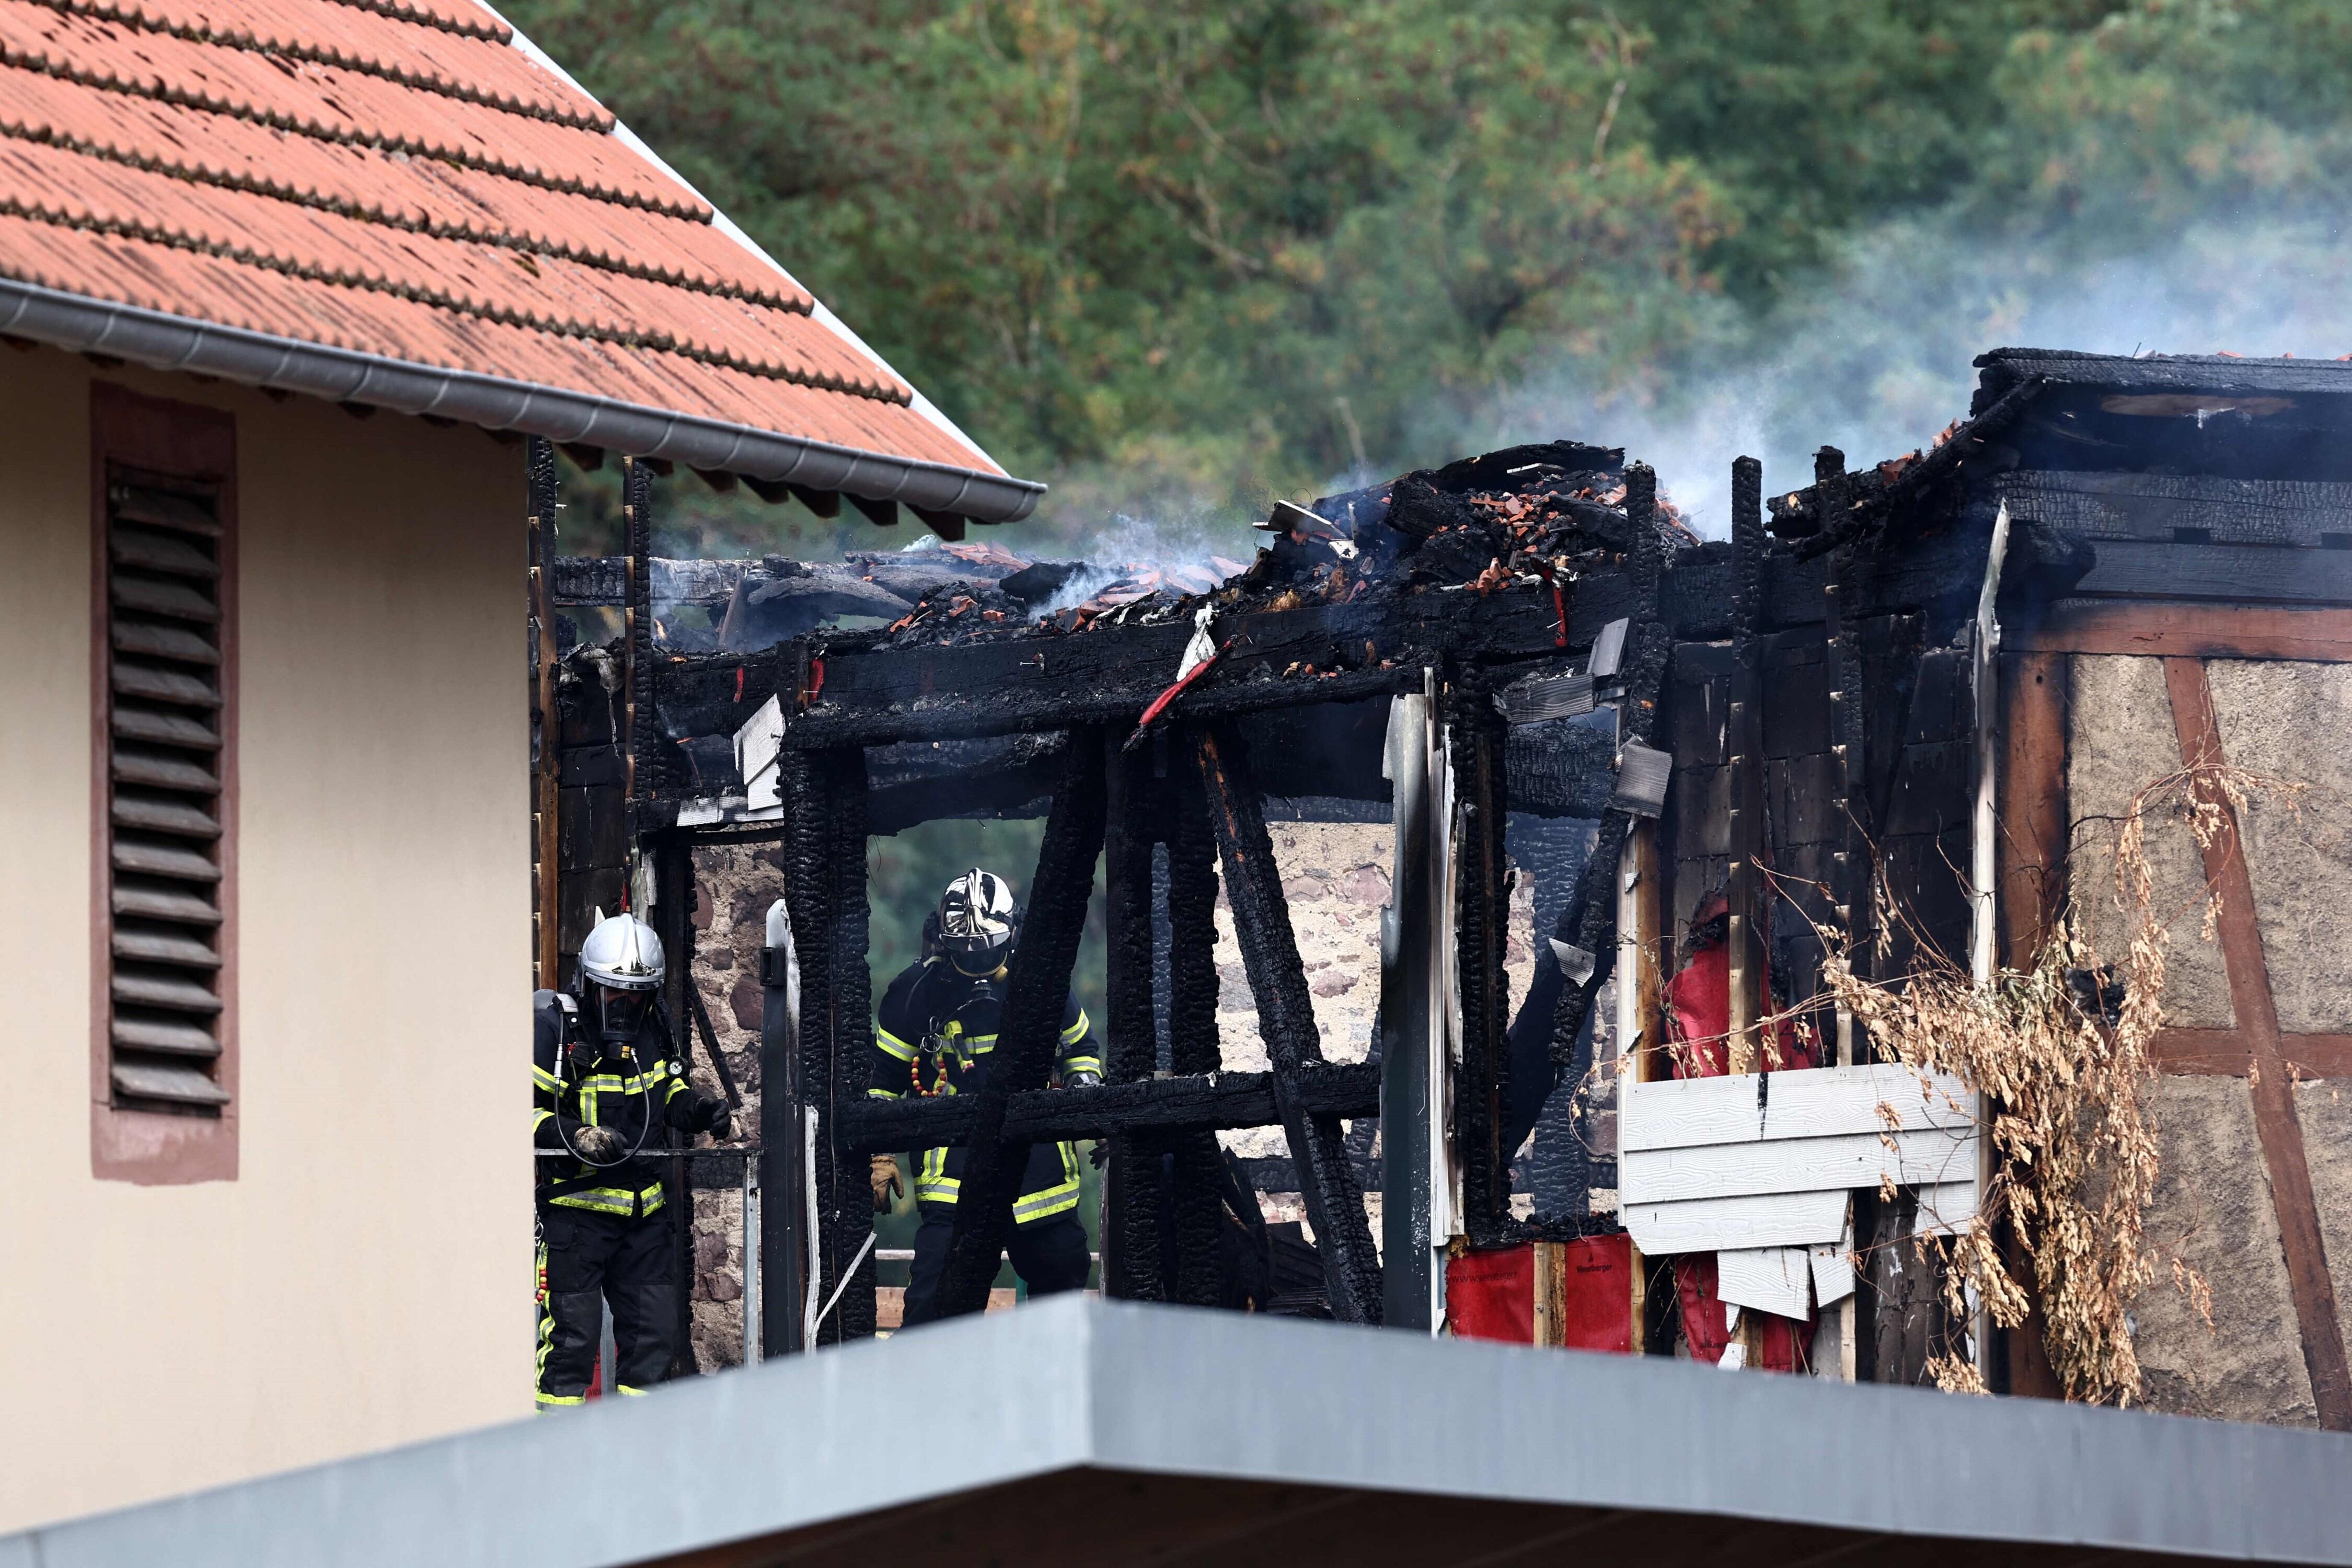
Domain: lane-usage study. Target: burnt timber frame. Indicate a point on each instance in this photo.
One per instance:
(1192, 793)
(1072, 703)
(1078, 697)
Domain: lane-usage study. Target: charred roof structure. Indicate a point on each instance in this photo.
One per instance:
(1894, 707)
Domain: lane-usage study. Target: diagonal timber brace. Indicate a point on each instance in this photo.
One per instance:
(1335, 1203)
(1035, 994)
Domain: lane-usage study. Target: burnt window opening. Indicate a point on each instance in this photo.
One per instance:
(163, 714)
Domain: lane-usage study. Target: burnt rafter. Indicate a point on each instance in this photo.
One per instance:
(1035, 992)
(1203, 1102)
(1335, 1203)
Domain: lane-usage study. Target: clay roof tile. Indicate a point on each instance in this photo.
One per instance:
(402, 178)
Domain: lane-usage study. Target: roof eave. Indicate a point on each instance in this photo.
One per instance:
(166, 342)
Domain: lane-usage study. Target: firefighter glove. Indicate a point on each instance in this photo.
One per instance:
(884, 1171)
(718, 1119)
(598, 1145)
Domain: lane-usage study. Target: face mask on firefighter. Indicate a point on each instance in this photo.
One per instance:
(620, 1013)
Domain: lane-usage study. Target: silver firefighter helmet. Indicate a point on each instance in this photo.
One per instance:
(978, 923)
(623, 952)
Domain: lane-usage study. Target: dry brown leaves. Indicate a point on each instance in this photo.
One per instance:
(2074, 1146)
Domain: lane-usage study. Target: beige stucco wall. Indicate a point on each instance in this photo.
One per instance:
(365, 1279)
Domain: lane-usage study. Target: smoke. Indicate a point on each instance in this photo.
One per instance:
(1876, 359)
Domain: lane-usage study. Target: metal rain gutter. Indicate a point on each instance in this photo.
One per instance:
(166, 342)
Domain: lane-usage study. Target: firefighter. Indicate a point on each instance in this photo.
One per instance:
(937, 1029)
(606, 1085)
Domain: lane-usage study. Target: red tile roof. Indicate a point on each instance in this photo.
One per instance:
(397, 179)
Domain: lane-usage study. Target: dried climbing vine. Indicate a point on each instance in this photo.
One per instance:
(2067, 1068)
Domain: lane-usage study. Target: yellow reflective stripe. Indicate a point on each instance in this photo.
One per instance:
(932, 1182)
(1078, 1031)
(1070, 1161)
(632, 1393)
(1082, 1064)
(539, 1118)
(552, 1401)
(893, 1045)
(546, 1334)
(1054, 1200)
(544, 1080)
(611, 1200)
(881, 1094)
(613, 1083)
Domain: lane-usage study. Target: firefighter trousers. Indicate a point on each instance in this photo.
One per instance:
(588, 1258)
(1049, 1255)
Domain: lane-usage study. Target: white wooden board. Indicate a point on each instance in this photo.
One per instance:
(1776, 1280)
(1811, 1103)
(1717, 1224)
(1796, 1165)
(758, 745)
(1833, 1266)
(1946, 1207)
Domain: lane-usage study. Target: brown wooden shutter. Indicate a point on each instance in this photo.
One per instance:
(167, 762)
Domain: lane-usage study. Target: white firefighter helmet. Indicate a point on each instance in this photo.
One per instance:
(977, 921)
(623, 952)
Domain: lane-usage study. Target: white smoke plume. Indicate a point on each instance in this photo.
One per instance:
(1877, 360)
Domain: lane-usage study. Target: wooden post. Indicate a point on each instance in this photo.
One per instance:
(1197, 1172)
(1131, 1222)
(674, 883)
(1480, 914)
(1551, 1293)
(1743, 893)
(547, 727)
(638, 635)
(1035, 993)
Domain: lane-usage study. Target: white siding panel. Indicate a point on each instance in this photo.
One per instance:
(1774, 1279)
(1814, 1102)
(1796, 1165)
(1717, 1224)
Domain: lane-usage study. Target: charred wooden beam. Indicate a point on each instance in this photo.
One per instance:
(1746, 760)
(1202, 1103)
(1335, 1203)
(1028, 683)
(1036, 993)
(1834, 521)
(1481, 903)
(637, 629)
(1196, 1171)
(672, 920)
(1130, 1226)
(824, 889)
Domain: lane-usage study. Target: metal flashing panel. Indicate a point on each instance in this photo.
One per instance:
(758, 1460)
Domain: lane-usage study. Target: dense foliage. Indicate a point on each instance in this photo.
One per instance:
(1175, 258)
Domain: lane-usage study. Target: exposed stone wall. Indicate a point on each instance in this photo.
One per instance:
(734, 885)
